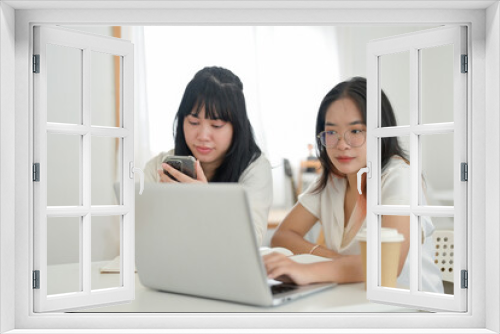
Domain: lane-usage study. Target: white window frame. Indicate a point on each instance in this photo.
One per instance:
(86, 297)
(484, 105)
(413, 43)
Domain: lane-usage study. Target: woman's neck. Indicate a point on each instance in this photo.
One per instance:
(209, 170)
(352, 182)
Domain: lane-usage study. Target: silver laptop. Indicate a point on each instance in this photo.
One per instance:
(199, 240)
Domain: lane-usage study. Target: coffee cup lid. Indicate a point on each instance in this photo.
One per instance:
(386, 235)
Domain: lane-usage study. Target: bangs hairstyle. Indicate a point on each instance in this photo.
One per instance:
(220, 92)
(355, 90)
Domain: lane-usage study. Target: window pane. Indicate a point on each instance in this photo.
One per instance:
(437, 169)
(105, 89)
(105, 171)
(436, 88)
(63, 255)
(437, 254)
(63, 170)
(106, 246)
(390, 247)
(395, 176)
(395, 82)
(64, 84)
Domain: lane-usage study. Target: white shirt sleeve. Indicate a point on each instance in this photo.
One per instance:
(152, 166)
(395, 183)
(311, 201)
(257, 180)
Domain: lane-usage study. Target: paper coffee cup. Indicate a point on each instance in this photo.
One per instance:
(390, 241)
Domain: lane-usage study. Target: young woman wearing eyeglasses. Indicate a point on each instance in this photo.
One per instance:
(334, 201)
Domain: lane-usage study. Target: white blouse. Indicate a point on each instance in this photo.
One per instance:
(256, 179)
(328, 207)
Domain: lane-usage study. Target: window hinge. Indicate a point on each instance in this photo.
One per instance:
(465, 279)
(36, 172)
(36, 63)
(464, 171)
(465, 64)
(36, 279)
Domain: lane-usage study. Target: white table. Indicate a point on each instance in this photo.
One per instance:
(342, 298)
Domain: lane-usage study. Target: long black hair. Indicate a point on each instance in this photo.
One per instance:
(220, 92)
(354, 89)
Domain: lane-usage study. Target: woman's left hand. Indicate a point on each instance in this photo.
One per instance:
(181, 177)
(282, 268)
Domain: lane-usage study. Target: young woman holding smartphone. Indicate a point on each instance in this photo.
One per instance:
(213, 126)
(334, 200)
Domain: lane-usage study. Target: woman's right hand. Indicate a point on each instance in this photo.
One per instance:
(181, 177)
(281, 268)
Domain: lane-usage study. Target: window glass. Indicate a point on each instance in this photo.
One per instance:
(63, 169)
(440, 240)
(106, 230)
(436, 84)
(395, 176)
(391, 243)
(64, 84)
(437, 183)
(105, 89)
(63, 255)
(395, 82)
(106, 168)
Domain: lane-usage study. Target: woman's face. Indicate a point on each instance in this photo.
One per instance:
(208, 139)
(343, 116)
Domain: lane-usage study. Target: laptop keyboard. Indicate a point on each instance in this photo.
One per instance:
(280, 288)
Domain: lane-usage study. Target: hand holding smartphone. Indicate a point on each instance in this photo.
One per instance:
(184, 164)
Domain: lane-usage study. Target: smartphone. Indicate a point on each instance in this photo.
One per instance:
(184, 164)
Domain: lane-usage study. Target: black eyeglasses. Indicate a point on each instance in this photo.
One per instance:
(353, 138)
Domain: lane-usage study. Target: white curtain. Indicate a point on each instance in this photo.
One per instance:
(142, 148)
